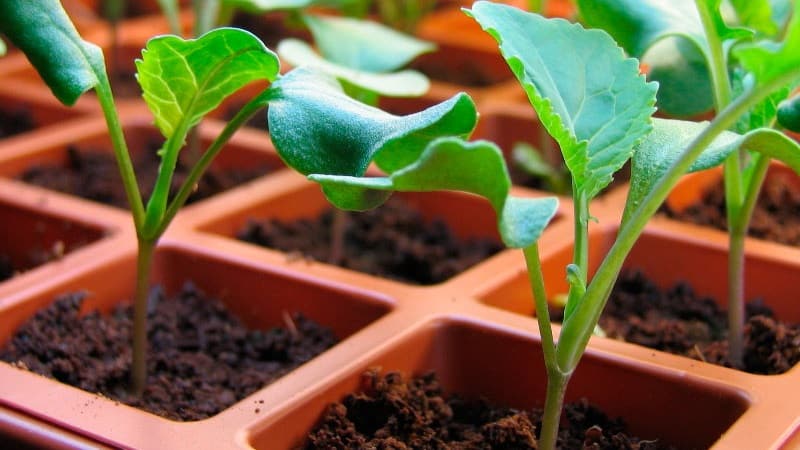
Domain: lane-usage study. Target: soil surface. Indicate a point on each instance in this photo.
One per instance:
(15, 122)
(6, 268)
(776, 216)
(392, 241)
(678, 321)
(201, 360)
(92, 174)
(392, 413)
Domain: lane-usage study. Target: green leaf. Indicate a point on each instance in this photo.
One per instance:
(756, 14)
(531, 161)
(765, 112)
(769, 60)
(262, 6)
(364, 45)
(656, 153)
(42, 30)
(316, 128)
(669, 38)
(453, 164)
(407, 83)
(594, 103)
(183, 80)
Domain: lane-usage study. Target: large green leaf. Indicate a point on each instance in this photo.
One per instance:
(318, 129)
(406, 83)
(656, 153)
(452, 164)
(769, 60)
(183, 80)
(594, 102)
(363, 44)
(42, 30)
(670, 39)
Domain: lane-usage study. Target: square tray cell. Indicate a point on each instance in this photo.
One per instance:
(82, 160)
(477, 359)
(256, 293)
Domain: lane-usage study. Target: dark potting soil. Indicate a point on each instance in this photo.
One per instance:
(776, 216)
(392, 241)
(201, 360)
(678, 321)
(6, 268)
(15, 122)
(92, 174)
(391, 412)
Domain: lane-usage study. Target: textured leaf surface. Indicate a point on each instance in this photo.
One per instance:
(42, 30)
(769, 60)
(406, 83)
(669, 38)
(669, 138)
(364, 45)
(594, 103)
(183, 80)
(318, 129)
(453, 164)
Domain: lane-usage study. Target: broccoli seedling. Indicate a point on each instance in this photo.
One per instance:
(731, 61)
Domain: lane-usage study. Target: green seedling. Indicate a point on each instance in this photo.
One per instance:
(182, 80)
(597, 107)
(730, 63)
(366, 58)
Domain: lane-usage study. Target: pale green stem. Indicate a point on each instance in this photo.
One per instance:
(206, 14)
(737, 229)
(576, 332)
(144, 260)
(157, 204)
(208, 156)
(580, 255)
(554, 403)
(556, 380)
(120, 147)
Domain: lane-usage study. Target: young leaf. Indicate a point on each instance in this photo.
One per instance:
(453, 164)
(183, 80)
(674, 33)
(407, 83)
(595, 119)
(756, 14)
(364, 45)
(769, 60)
(656, 153)
(42, 30)
(318, 129)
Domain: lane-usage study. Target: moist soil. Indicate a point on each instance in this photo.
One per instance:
(393, 413)
(92, 174)
(14, 122)
(678, 321)
(776, 216)
(392, 241)
(201, 359)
